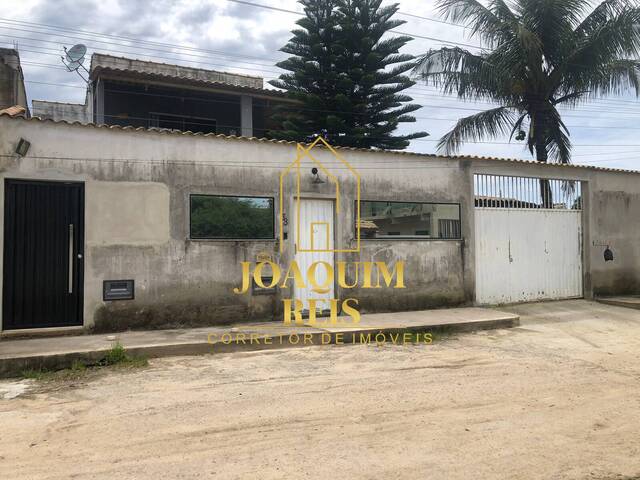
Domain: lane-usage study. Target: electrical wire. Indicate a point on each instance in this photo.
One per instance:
(413, 88)
(404, 13)
(445, 97)
(173, 58)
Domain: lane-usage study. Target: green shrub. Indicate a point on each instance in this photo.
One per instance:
(117, 354)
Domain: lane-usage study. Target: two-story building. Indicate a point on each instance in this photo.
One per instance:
(129, 92)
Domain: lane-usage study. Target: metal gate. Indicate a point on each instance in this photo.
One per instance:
(528, 239)
(43, 254)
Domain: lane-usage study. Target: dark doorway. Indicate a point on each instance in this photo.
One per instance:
(43, 254)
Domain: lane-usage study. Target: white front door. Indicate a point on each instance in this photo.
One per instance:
(315, 243)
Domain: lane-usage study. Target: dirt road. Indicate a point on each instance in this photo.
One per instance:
(558, 398)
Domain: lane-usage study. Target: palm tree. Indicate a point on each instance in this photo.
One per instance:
(540, 54)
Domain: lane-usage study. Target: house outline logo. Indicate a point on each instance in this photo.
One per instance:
(302, 152)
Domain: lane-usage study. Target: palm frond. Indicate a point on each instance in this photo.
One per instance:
(481, 21)
(502, 11)
(531, 45)
(617, 37)
(517, 125)
(616, 77)
(489, 123)
(572, 98)
(568, 187)
(559, 145)
(542, 53)
(552, 21)
(599, 16)
(544, 15)
(456, 70)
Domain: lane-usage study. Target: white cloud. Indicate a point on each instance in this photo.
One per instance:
(246, 39)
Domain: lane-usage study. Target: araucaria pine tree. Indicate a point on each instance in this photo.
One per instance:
(347, 79)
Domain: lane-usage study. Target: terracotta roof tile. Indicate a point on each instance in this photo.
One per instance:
(14, 111)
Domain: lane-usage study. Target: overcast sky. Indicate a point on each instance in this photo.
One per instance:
(246, 39)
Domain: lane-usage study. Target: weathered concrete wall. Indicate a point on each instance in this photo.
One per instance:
(69, 112)
(615, 221)
(137, 219)
(127, 213)
(12, 90)
(434, 276)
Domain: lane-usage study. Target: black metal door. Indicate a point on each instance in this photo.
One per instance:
(43, 254)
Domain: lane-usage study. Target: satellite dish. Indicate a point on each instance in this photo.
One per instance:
(75, 57)
(76, 53)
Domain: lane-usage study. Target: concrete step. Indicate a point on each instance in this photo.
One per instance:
(622, 301)
(18, 355)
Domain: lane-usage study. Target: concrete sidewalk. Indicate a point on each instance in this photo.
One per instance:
(629, 301)
(17, 355)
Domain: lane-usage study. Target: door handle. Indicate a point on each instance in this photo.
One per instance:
(70, 286)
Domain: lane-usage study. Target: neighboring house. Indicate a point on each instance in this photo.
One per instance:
(498, 202)
(139, 93)
(12, 90)
(58, 111)
(410, 220)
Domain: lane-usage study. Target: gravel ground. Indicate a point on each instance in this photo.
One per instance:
(558, 397)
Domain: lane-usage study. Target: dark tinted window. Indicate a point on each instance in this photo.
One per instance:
(232, 217)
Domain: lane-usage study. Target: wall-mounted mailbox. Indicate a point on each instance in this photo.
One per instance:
(118, 290)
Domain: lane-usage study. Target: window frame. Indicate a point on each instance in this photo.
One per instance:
(395, 238)
(155, 116)
(233, 239)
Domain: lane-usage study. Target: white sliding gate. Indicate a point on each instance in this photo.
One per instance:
(524, 251)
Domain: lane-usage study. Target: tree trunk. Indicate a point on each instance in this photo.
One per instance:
(545, 193)
(545, 187)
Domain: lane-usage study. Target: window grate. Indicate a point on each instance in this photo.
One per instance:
(501, 191)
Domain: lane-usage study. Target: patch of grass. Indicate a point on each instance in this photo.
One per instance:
(117, 354)
(78, 366)
(35, 374)
(116, 357)
(77, 371)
